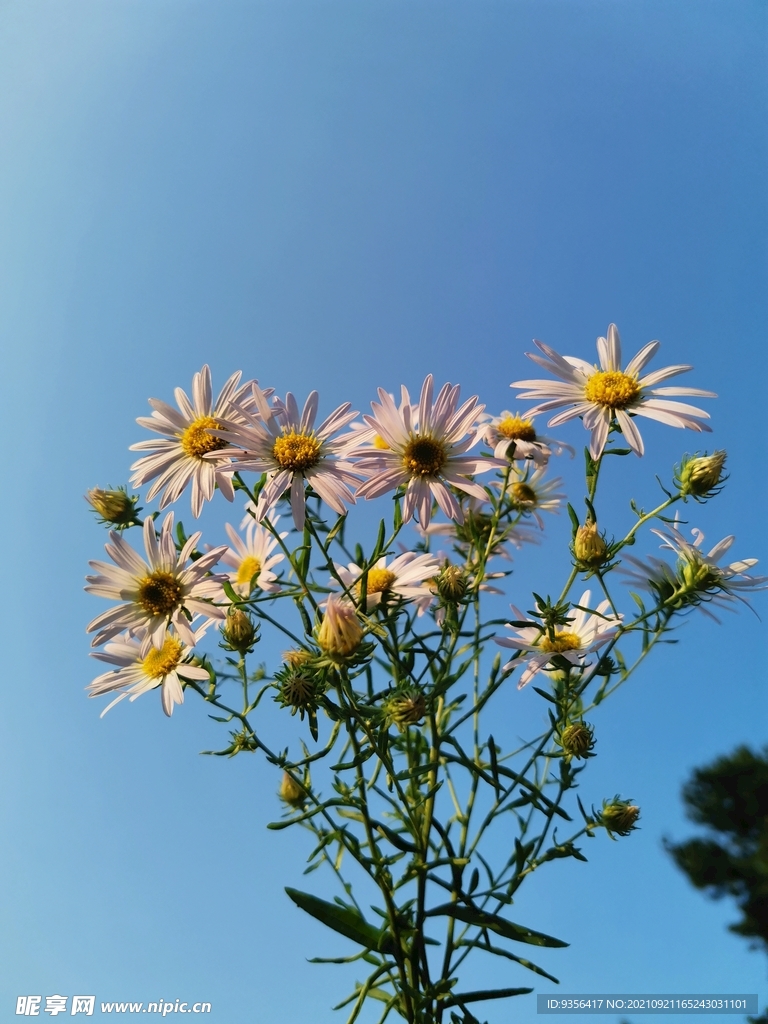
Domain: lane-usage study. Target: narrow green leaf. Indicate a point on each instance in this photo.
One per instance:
(490, 993)
(507, 929)
(344, 920)
(414, 772)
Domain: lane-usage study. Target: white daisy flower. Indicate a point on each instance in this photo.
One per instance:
(513, 436)
(284, 444)
(251, 556)
(696, 579)
(584, 634)
(532, 494)
(605, 394)
(157, 592)
(139, 670)
(186, 454)
(362, 435)
(403, 578)
(424, 454)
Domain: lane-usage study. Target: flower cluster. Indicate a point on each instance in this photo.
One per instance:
(387, 667)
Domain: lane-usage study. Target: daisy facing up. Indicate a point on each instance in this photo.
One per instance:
(251, 557)
(187, 454)
(424, 454)
(157, 592)
(405, 578)
(605, 394)
(513, 436)
(585, 633)
(139, 671)
(283, 443)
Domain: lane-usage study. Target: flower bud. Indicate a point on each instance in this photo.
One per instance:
(577, 740)
(701, 475)
(340, 633)
(239, 632)
(296, 657)
(589, 547)
(619, 816)
(117, 508)
(291, 792)
(452, 583)
(406, 706)
(299, 691)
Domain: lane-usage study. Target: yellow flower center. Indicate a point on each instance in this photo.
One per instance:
(561, 642)
(158, 664)
(524, 493)
(612, 389)
(424, 456)
(296, 451)
(249, 567)
(380, 443)
(196, 440)
(516, 429)
(379, 580)
(159, 593)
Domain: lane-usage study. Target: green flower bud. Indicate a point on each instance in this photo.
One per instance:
(116, 508)
(589, 547)
(239, 632)
(619, 816)
(577, 740)
(701, 475)
(406, 706)
(291, 792)
(452, 583)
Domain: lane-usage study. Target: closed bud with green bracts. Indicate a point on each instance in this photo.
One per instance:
(452, 583)
(340, 632)
(291, 792)
(577, 740)
(589, 547)
(300, 690)
(117, 508)
(243, 741)
(701, 476)
(405, 706)
(619, 816)
(239, 633)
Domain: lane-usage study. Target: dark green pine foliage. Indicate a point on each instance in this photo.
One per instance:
(729, 797)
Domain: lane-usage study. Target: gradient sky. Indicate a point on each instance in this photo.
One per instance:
(341, 196)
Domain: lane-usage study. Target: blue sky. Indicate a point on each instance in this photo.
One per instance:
(341, 196)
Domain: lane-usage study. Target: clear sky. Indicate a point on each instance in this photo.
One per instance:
(341, 196)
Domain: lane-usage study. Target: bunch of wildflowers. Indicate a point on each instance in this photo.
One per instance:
(398, 777)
